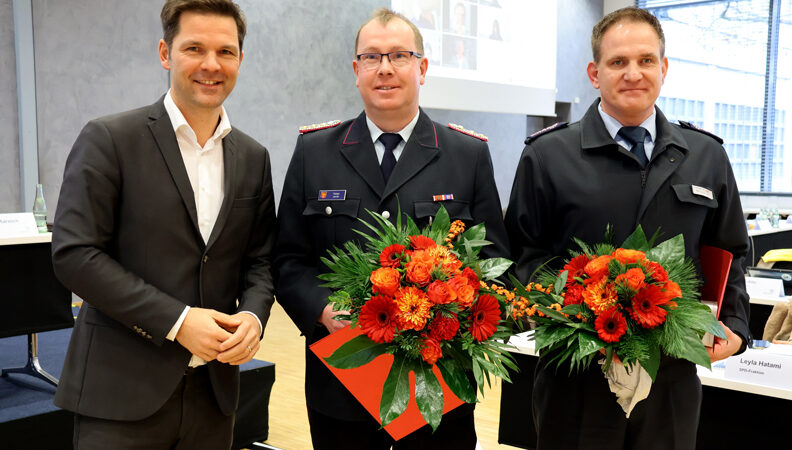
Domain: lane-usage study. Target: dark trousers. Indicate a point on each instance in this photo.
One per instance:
(580, 411)
(456, 432)
(189, 419)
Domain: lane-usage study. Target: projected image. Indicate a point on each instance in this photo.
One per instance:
(498, 49)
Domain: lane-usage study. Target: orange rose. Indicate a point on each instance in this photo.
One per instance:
(418, 272)
(385, 281)
(672, 290)
(464, 292)
(598, 267)
(430, 351)
(626, 256)
(439, 293)
(633, 279)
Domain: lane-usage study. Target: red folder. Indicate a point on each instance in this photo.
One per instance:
(365, 383)
(715, 265)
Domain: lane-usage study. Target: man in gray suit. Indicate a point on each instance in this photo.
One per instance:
(165, 225)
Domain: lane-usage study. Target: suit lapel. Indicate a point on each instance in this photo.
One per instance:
(358, 150)
(162, 131)
(420, 150)
(230, 159)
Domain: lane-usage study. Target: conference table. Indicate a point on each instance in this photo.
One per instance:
(31, 297)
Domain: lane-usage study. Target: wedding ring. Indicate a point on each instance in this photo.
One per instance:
(249, 349)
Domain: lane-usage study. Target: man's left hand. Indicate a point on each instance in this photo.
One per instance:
(243, 344)
(723, 348)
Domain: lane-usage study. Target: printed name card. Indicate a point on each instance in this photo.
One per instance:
(761, 367)
(764, 287)
(18, 225)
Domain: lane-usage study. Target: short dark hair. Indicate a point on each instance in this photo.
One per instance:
(385, 15)
(173, 9)
(629, 14)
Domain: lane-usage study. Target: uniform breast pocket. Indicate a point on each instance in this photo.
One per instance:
(332, 221)
(691, 208)
(457, 210)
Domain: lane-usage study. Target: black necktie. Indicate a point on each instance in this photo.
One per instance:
(636, 137)
(390, 140)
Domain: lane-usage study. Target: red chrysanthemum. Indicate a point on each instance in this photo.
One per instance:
(484, 316)
(391, 256)
(378, 318)
(444, 328)
(633, 279)
(421, 242)
(574, 294)
(598, 267)
(646, 308)
(655, 270)
(610, 325)
(575, 268)
(430, 351)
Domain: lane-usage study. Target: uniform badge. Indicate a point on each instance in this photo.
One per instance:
(701, 191)
(464, 130)
(442, 197)
(553, 127)
(332, 195)
(319, 126)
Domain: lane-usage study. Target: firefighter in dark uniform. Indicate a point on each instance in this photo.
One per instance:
(625, 165)
(391, 156)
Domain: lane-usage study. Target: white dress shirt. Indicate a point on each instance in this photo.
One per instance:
(405, 133)
(205, 170)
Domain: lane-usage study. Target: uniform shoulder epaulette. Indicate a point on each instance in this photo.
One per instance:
(319, 126)
(553, 127)
(693, 127)
(464, 130)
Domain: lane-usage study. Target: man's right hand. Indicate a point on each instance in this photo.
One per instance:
(328, 319)
(200, 333)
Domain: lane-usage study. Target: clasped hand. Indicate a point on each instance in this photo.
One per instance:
(210, 335)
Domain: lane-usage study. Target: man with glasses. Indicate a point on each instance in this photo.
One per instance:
(391, 157)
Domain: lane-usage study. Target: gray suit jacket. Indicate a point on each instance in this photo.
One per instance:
(126, 240)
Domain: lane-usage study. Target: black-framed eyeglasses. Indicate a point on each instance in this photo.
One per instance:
(397, 59)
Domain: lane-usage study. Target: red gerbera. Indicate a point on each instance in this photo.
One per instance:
(430, 351)
(610, 325)
(575, 268)
(391, 256)
(444, 328)
(378, 319)
(484, 316)
(646, 308)
(421, 242)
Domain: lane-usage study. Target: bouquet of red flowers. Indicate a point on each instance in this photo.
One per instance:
(420, 296)
(635, 302)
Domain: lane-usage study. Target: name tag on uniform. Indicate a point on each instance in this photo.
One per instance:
(702, 191)
(331, 195)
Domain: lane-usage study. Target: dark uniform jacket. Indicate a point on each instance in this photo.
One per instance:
(573, 181)
(126, 240)
(436, 160)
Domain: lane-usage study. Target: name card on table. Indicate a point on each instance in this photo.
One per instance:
(761, 367)
(764, 287)
(18, 224)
